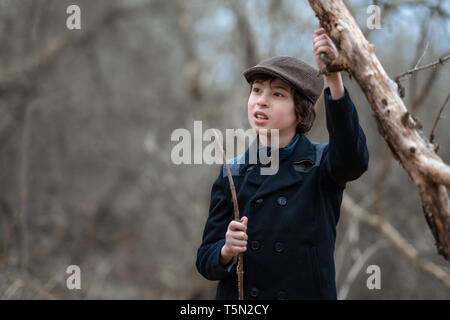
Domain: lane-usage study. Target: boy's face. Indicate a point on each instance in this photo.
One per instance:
(271, 106)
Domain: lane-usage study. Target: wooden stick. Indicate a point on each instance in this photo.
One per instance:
(240, 268)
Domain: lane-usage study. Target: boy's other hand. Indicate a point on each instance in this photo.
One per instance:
(235, 240)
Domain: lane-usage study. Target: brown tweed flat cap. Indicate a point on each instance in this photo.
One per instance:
(296, 72)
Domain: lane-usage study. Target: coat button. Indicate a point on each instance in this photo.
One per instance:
(282, 201)
(281, 295)
(254, 292)
(255, 245)
(259, 201)
(279, 246)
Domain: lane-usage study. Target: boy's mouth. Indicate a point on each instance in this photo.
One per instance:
(260, 117)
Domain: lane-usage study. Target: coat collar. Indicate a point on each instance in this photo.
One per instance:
(304, 153)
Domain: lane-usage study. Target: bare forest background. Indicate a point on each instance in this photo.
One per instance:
(86, 118)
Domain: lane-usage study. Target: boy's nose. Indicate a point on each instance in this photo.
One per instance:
(262, 101)
(261, 104)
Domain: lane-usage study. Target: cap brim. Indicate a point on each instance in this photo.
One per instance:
(249, 73)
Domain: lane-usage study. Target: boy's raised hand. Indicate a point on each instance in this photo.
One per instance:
(235, 239)
(322, 43)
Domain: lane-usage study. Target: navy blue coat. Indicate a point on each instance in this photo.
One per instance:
(292, 215)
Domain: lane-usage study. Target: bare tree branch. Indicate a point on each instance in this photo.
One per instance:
(417, 99)
(356, 268)
(396, 240)
(417, 69)
(438, 118)
(399, 129)
(425, 91)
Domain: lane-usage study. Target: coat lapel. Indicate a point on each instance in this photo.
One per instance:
(303, 153)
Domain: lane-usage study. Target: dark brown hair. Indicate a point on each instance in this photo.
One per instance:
(304, 109)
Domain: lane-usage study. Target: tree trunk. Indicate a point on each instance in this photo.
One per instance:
(396, 125)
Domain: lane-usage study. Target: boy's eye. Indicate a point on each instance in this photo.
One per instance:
(278, 94)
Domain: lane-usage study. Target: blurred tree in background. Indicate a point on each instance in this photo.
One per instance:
(86, 118)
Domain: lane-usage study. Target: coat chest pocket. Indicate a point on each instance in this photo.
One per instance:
(303, 166)
(306, 165)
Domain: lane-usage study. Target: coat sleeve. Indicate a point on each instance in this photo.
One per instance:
(346, 157)
(220, 215)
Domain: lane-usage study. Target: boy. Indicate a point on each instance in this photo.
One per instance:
(288, 228)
